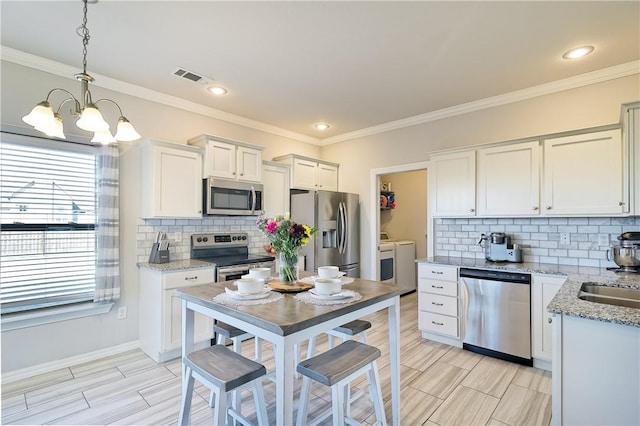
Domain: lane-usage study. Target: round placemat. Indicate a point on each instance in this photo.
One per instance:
(307, 297)
(226, 299)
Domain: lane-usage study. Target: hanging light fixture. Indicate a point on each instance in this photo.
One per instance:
(43, 119)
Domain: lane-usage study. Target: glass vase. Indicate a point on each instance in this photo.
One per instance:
(288, 269)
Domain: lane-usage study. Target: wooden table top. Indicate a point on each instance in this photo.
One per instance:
(289, 315)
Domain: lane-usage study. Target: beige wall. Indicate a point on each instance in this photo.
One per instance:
(408, 221)
(23, 87)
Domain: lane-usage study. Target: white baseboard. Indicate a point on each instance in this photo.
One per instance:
(47, 367)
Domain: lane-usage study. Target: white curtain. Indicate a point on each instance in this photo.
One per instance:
(107, 224)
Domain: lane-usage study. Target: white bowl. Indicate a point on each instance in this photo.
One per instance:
(250, 285)
(260, 273)
(328, 285)
(328, 271)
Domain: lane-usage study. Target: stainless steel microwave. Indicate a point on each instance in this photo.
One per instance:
(231, 198)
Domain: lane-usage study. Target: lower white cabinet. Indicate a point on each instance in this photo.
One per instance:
(596, 372)
(160, 322)
(544, 287)
(438, 302)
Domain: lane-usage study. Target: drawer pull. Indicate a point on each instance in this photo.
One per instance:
(437, 304)
(437, 286)
(437, 323)
(437, 272)
(191, 278)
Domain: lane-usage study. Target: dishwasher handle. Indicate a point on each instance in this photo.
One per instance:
(464, 307)
(493, 275)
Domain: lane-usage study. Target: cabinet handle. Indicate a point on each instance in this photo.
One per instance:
(549, 320)
(472, 210)
(191, 278)
(548, 207)
(535, 207)
(437, 304)
(241, 174)
(621, 203)
(437, 323)
(437, 272)
(437, 286)
(233, 173)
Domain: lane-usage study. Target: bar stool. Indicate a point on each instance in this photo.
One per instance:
(237, 336)
(223, 371)
(337, 368)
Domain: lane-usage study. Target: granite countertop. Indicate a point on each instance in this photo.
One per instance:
(176, 265)
(566, 301)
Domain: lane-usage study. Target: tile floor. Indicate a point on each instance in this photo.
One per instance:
(441, 385)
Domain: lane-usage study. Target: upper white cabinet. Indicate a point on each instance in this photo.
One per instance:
(171, 180)
(584, 174)
(509, 180)
(275, 182)
(453, 184)
(229, 159)
(311, 174)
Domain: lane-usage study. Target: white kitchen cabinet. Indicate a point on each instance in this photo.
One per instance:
(585, 174)
(544, 288)
(596, 372)
(171, 180)
(160, 322)
(452, 181)
(508, 180)
(438, 314)
(275, 182)
(311, 174)
(229, 159)
(631, 125)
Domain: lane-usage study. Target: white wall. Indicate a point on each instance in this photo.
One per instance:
(589, 106)
(21, 89)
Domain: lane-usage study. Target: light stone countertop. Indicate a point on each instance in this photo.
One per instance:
(566, 301)
(176, 265)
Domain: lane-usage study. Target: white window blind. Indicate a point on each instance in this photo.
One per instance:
(47, 240)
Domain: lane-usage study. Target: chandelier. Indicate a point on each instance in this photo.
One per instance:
(43, 119)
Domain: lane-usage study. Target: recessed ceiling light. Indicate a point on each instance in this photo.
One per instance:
(578, 52)
(217, 90)
(321, 126)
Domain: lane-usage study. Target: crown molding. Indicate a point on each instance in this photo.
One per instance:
(52, 67)
(62, 70)
(581, 80)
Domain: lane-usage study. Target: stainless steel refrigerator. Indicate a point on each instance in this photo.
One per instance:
(337, 217)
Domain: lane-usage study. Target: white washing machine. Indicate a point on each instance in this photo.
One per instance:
(386, 260)
(404, 262)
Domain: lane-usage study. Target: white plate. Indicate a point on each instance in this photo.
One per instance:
(244, 296)
(337, 296)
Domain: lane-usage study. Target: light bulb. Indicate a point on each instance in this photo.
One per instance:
(91, 120)
(125, 131)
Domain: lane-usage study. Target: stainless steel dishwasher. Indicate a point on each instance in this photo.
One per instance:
(496, 314)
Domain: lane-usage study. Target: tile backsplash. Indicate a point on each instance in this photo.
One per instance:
(179, 232)
(538, 237)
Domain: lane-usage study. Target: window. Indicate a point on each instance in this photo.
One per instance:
(47, 238)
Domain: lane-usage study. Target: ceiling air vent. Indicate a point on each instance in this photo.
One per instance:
(191, 76)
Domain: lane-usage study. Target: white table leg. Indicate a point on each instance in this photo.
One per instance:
(394, 352)
(187, 338)
(285, 368)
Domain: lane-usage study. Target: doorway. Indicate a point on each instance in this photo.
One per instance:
(408, 185)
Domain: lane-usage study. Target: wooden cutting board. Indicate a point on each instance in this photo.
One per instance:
(289, 288)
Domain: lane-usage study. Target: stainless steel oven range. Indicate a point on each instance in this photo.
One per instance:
(229, 252)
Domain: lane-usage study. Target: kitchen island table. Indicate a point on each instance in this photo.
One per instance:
(289, 321)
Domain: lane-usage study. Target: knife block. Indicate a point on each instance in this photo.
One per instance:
(157, 255)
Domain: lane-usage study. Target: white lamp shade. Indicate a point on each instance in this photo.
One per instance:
(125, 131)
(40, 116)
(56, 130)
(104, 137)
(91, 120)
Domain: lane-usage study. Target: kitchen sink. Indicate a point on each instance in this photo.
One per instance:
(618, 296)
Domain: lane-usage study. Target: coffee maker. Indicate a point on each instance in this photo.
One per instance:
(498, 248)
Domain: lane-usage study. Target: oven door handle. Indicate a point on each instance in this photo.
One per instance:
(227, 269)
